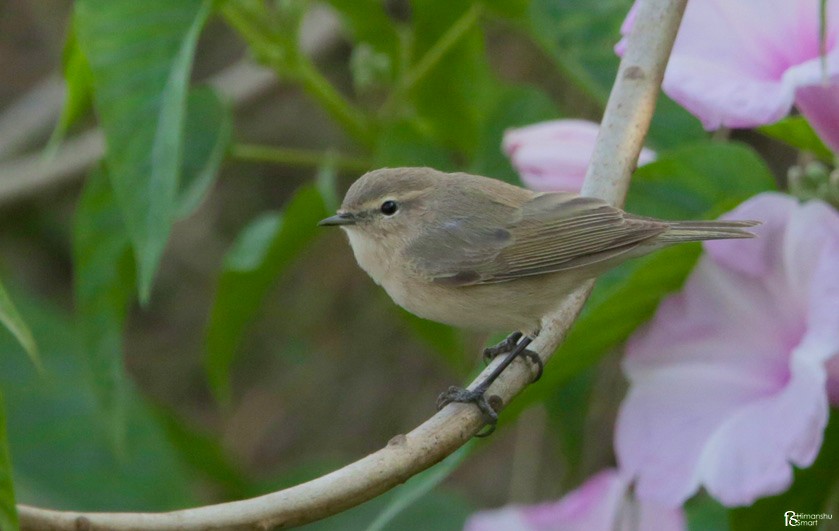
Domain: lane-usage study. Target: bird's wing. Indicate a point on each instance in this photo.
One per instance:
(550, 233)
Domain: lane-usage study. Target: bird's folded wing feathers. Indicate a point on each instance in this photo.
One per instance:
(550, 233)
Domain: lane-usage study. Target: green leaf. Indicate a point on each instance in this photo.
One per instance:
(207, 134)
(140, 55)
(580, 41)
(404, 144)
(453, 95)
(104, 286)
(257, 259)
(63, 458)
(512, 9)
(439, 510)
(568, 413)
(371, 25)
(445, 340)
(797, 132)
(810, 493)
(673, 126)
(8, 510)
(78, 80)
(698, 182)
(14, 323)
(204, 454)
(515, 107)
(706, 514)
(418, 486)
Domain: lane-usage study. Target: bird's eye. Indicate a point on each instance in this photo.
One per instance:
(389, 208)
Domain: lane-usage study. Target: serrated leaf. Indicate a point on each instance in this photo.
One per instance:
(14, 323)
(810, 492)
(140, 55)
(104, 286)
(8, 511)
(797, 132)
(256, 261)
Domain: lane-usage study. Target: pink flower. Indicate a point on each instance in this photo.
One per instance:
(601, 504)
(553, 156)
(728, 382)
(743, 63)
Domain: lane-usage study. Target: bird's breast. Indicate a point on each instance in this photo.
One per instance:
(371, 255)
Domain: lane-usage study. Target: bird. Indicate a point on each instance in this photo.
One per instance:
(479, 253)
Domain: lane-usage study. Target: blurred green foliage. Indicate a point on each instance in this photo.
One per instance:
(426, 91)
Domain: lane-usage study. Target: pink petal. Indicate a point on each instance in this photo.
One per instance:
(820, 104)
(756, 256)
(738, 64)
(728, 381)
(599, 504)
(722, 320)
(554, 155)
(751, 455)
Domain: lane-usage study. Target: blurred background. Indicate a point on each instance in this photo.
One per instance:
(323, 368)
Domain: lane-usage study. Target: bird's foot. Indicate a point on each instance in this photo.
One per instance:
(489, 406)
(504, 347)
(509, 345)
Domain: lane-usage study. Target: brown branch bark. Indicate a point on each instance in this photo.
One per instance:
(625, 124)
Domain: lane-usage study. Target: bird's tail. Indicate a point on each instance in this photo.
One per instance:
(692, 231)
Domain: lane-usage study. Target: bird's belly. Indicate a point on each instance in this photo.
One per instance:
(507, 306)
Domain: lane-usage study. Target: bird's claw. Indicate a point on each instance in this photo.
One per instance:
(507, 346)
(534, 358)
(504, 347)
(477, 397)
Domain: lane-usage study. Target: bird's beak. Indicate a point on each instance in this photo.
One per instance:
(341, 218)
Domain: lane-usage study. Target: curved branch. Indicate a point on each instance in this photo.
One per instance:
(625, 123)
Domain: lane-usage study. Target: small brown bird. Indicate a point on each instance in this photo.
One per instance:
(479, 253)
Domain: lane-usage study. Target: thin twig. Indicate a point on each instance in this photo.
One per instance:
(628, 114)
(31, 116)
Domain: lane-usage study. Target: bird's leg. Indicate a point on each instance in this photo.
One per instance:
(505, 346)
(508, 345)
(477, 395)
